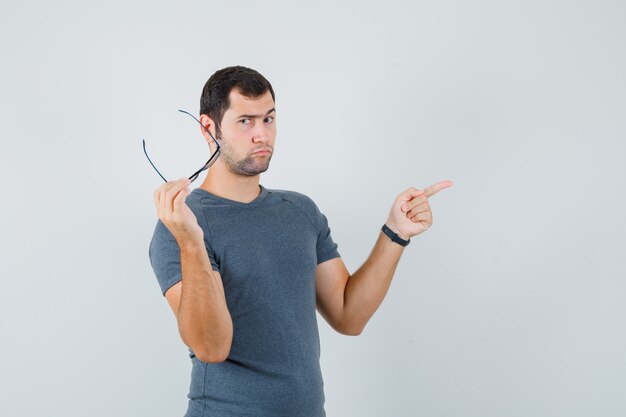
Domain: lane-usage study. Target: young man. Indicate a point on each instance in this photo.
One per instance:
(244, 267)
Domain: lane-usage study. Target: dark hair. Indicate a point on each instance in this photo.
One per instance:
(214, 100)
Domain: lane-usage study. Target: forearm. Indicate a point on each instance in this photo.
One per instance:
(204, 321)
(367, 287)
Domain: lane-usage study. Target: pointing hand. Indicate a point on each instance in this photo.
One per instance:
(410, 214)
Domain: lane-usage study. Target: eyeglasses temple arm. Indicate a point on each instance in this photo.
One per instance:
(149, 160)
(206, 130)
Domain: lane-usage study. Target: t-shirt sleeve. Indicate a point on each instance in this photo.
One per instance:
(326, 247)
(164, 255)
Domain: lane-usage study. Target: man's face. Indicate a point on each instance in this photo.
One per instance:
(247, 126)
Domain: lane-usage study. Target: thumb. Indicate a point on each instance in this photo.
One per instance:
(410, 193)
(406, 196)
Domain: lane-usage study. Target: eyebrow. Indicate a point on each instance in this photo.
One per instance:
(252, 116)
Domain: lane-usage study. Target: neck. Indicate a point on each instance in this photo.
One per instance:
(223, 183)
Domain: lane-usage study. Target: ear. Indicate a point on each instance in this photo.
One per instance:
(207, 122)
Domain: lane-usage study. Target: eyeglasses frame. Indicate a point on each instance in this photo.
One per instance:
(208, 163)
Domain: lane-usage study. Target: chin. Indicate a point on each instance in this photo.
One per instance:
(264, 168)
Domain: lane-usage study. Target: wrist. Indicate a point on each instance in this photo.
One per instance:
(395, 229)
(392, 233)
(190, 246)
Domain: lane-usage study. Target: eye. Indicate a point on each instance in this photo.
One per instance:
(244, 121)
(269, 119)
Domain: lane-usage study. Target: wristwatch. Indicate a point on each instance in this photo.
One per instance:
(394, 237)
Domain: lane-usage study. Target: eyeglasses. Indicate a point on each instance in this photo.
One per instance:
(206, 166)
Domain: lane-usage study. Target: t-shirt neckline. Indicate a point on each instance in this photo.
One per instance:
(258, 200)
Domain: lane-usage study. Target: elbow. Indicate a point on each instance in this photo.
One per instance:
(350, 330)
(213, 348)
(212, 355)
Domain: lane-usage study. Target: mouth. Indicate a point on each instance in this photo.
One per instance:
(261, 152)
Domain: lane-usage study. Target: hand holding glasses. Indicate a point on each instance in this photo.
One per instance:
(206, 166)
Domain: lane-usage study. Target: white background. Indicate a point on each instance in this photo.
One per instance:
(512, 304)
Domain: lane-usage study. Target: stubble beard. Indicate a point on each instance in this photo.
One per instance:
(248, 166)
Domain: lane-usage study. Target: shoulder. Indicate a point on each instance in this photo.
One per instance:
(302, 202)
(196, 201)
(300, 199)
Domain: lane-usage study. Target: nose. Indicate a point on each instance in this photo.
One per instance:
(260, 133)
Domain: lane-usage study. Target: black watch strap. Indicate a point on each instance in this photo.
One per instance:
(394, 237)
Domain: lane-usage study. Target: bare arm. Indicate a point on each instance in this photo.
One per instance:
(204, 322)
(198, 300)
(347, 301)
(368, 286)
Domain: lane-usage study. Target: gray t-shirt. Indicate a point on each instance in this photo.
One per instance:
(266, 252)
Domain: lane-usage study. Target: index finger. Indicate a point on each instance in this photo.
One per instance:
(435, 188)
(164, 192)
(166, 186)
